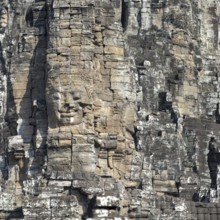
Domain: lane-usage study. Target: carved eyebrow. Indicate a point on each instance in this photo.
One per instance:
(76, 94)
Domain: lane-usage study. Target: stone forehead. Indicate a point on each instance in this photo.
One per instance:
(79, 93)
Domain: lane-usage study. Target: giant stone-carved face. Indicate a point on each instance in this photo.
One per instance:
(65, 106)
(3, 18)
(70, 110)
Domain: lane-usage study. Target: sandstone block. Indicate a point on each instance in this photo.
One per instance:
(65, 33)
(114, 50)
(61, 183)
(66, 201)
(87, 56)
(107, 201)
(75, 49)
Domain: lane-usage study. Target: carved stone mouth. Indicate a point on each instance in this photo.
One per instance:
(68, 114)
(69, 109)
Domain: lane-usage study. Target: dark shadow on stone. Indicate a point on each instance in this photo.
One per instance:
(163, 104)
(91, 206)
(85, 202)
(35, 92)
(195, 169)
(195, 197)
(217, 115)
(15, 214)
(178, 184)
(206, 198)
(213, 161)
(11, 115)
(8, 117)
(29, 17)
(124, 14)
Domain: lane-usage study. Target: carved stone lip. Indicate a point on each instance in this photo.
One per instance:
(70, 109)
(68, 114)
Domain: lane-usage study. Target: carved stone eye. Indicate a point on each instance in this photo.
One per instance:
(56, 96)
(76, 95)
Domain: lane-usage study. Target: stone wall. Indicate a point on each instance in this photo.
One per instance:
(109, 109)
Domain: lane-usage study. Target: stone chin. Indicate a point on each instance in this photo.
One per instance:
(58, 118)
(71, 116)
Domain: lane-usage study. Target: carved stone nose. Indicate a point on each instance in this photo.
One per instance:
(66, 105)
(71, 105)
(68, 98)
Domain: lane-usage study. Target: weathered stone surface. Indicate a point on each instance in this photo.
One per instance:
(109, 109)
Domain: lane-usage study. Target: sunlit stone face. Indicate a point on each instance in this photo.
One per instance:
(65, 105)
(3, 18)
(70, 111)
